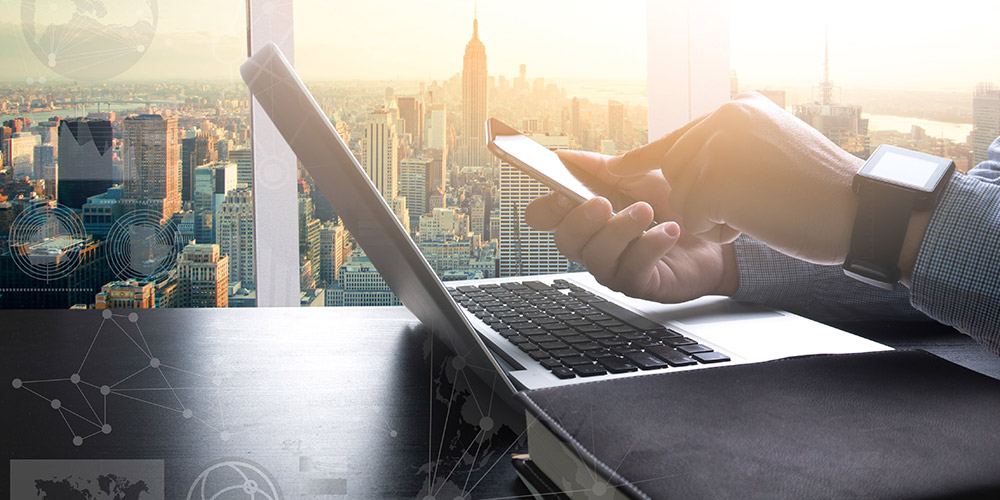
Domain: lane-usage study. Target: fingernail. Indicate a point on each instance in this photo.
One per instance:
(672, 229)
(636, 213)
(595, 210)
(563, 201)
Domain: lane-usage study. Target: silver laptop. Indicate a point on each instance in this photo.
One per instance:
(539, 331)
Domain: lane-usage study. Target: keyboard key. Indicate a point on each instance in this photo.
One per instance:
(627, 316)
(678, 341)
(612, 342)
(563, 353)
(536, 285)
(576, 360)
(621, 351)
(616, 365)
(563, 372)
(579, 323)
(575, 339)
(552, 344)
(587, 346)
(694, 349)
(467, 288)
(589, 370)
(518, 340)
(646, 343)
(550, 363)
(600, 335)
(621, 329)
(609, 323)
(663, 333)
(645, 360)
(507, 333)
(711, 357)
(538, 355)
(588, 328)
(671, 356)
(633, 336)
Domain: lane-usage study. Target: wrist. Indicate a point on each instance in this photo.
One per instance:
(911, 245)
(730, 281)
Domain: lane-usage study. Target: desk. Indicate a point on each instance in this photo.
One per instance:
(351, 402)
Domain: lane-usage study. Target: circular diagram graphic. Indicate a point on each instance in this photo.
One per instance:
(84, 40)
(45, 241)
(142, 244)
(232, 480)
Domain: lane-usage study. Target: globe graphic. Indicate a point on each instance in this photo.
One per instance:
(45, 241)
(142, 244)
(231, 480)
(84, 40)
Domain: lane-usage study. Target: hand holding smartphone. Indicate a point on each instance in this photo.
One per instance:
(544, 166)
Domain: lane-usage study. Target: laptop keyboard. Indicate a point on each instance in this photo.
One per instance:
(575, 333)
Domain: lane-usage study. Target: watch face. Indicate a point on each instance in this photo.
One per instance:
(905, 168)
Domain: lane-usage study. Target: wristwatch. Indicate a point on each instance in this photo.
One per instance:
(892, 184)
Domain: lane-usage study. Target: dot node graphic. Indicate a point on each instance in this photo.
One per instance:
(90, 413)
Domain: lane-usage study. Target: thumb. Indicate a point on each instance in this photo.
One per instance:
(650, 156)
(594, 164)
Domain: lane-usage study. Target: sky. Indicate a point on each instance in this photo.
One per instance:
(774, 43)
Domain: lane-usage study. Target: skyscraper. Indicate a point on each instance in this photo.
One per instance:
(380, 152)
(523, 250)
(85, 152)
(203, 274)
(333, 251)
(411, 110)
(195, 152)
(413, 184)
(575, 119)
(985, 119)
(472, 146)
(616, 123)
(21, 147)
(212, 182)
(234, 233)
(151, 159)
(243, 157)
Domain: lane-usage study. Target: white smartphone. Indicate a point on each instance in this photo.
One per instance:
(544, 166)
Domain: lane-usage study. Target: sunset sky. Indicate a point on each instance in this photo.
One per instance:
(881, 44)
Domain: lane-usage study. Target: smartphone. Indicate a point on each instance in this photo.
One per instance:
(542, 164)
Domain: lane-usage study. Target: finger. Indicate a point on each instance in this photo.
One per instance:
(648, 157)
(546, 212)
(602, 253)
(580, 225)
(595, 164)
(634, 270)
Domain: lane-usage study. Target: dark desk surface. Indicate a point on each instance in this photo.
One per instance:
(351, 402)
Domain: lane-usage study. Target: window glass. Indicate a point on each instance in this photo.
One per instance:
(126, 174)
(885, 72)
(409, 89)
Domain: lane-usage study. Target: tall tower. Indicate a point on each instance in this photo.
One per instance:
(380, 152)
(985, 119)
(524, 250)
(472, 145)
(826, 88)
(151, 160)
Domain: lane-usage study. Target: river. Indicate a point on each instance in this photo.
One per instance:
(957, 132)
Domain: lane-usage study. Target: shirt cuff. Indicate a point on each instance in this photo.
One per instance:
(956, 277)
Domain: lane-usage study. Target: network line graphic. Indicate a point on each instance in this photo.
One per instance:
(90, 412)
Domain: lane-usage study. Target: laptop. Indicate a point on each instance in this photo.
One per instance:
(538, 331)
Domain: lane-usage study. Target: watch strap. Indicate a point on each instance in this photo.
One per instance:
(880, 226)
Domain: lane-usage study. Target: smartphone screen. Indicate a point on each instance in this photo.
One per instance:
(542, 164)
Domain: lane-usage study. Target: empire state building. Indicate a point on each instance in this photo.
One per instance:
(472, 144)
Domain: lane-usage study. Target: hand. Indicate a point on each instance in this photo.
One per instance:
(752, 167)
(661, 264)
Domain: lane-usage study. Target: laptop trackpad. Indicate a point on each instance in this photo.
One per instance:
(719, 311)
